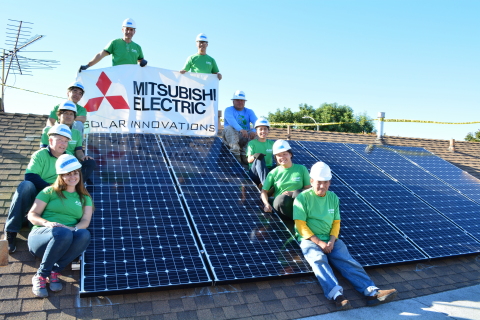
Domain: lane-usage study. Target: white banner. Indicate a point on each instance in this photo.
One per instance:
(129, 98)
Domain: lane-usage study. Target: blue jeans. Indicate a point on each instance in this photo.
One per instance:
(21, 203)
(87, 168)
(341, 259)
(258, 171)
(78, 125)
(57, 247)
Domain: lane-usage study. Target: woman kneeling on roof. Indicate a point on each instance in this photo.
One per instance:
(60, 215)
(287, 179)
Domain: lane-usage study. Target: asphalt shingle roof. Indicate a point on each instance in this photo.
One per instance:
(284, 298)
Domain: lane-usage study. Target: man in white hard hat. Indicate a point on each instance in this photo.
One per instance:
(201, 62)
(75, 92)
(123, 50)
(259, 153)
(40, 173)
(66, 114)
(236, 128)
(317, 224)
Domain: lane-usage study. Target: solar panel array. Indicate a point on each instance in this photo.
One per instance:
(239, 239)
(429, 230)
(456, 207)
(141, 238)
(370, 239)
(444, 170)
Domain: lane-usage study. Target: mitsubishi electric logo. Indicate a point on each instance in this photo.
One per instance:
(117, 102)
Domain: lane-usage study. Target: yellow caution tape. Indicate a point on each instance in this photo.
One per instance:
(6, 85)
(425, 121)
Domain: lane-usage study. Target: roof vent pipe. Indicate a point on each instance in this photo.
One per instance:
(381, 116)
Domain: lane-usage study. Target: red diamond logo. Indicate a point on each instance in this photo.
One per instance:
(104, 83)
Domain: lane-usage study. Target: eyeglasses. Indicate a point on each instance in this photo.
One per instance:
(73, 173)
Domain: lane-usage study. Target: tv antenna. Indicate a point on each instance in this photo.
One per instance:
(18, 38)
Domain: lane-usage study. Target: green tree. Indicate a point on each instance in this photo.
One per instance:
(327, 112)
(473, 136)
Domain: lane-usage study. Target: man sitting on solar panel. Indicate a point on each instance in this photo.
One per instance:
(259, 153)
(40, 173)
(317, 225)
(66, 114)
(288, 180)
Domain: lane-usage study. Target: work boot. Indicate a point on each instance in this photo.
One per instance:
(39, 286)
(342, 303)
(382, 296)
(12, 241)
(244, 159)
(55, 284)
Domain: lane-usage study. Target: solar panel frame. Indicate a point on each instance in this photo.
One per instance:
(135, 218)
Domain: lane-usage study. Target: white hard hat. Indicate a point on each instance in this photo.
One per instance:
(129, 23)
(76, 84)
(239, 95)
(67, 163)
(68, 105)
(262, 122)
(62, 130)
(202, 37)
(321, 172)
(280, 146)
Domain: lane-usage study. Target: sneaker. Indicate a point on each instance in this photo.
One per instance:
(39, 286)
(55, 284)
(12, 241)
(342, 303)
(382, 296)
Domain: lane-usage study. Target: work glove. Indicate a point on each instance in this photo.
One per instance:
(85, 67)
(143, 63)
(258, 156)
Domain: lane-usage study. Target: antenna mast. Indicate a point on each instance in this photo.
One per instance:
(18, 38)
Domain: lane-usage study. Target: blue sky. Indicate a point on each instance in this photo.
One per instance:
(411, 59)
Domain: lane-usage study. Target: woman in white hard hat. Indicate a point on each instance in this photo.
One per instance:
(288, 180)
(60, 215)
(259, 153)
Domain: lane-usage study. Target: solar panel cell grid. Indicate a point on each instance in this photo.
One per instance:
(240, 240)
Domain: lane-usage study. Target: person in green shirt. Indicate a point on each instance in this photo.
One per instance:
(40, 173)
(123, 50)
(75, 92)
(60, 216)
(288, 180)
(66, 114)
(259, 153)
(201, 62)
(317, 225)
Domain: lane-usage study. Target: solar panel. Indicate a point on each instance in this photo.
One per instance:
(428, 229)
(141, 237)
(203, 161)
(240, 240)
(444, 170)
(370, 239)
(446, 200)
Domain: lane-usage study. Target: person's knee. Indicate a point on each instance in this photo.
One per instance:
(62, 234)
(83, 235)
(26, 187)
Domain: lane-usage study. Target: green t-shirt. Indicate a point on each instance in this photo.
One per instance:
(201, 63)
(318, 212)
(81, 111)
(294, 178)
(73, 145)
(67, 211)
(43, 164)
(255, 146)
(124, 53)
